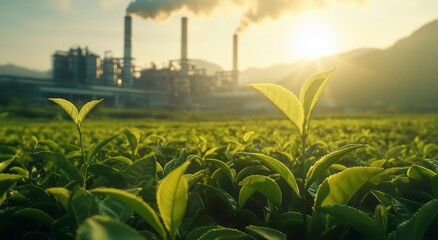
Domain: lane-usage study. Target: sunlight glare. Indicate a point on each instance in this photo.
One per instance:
(311, 40)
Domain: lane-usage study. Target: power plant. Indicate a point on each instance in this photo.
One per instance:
(180, 84)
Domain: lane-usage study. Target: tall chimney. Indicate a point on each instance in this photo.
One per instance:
(184, 62)
(235, 59)
(127, 64)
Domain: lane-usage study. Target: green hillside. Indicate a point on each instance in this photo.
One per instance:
(404, 75)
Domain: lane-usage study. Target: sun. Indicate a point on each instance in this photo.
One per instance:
(311, 40)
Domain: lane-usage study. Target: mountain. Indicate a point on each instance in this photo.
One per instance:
(267, 74)
(11, 69)
(295, 80)
(210, 68)
(277, 72)
(404, 75)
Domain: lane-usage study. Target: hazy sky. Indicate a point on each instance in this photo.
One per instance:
(277, 31)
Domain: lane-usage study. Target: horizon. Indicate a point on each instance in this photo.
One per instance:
(210, 31)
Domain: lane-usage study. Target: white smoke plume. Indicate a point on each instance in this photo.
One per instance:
(253, 11)
(161, 9)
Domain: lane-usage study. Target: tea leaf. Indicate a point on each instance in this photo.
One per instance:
(7, 181)
(71, 110)
(288, 219)
(382, 198)
(62, 163)
(416, 227)
(60, 194)
(120, 159)
(35, 215)
(83, 205)
(140, 171)
(394, 151)
(143, 209)
(285, 100)
(111, 174)
(196, 233)
(221, 165)
(86, 109)
(174, 163)
(224, 196)
(115, 209)
(248, 136)
(355, 218)
(172, 195)
(96, 148)
(262, 184)
(105, 228)
(5, 164)
(325, 162)
(249, 170)
(267, 233)
(52, 146)
(312, 89)
(316, 225)
(279, 168)
(19, 170)
(224, 233)
(133, 137)
(381, 217)
(434, 183)
(340, 188)
(420, 173)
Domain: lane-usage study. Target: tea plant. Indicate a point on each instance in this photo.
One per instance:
(337, 191)
(77, 117)
(337, 178)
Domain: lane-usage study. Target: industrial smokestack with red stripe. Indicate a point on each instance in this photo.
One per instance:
(184, 60)
(127, 63)
(235, 59)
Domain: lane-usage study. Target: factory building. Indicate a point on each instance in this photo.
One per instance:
(80, 75)
(76, 67)
(79, 66)
(181, 81)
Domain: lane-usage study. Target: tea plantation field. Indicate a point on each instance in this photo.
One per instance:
(369, 177)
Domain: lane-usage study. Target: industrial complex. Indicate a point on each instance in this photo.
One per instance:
(81, 75)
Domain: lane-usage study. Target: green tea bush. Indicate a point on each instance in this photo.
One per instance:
(329, 178)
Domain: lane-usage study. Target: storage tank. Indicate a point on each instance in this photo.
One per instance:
(60, 73)
(93, 69)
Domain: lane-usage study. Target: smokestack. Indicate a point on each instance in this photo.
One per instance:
(127, 64)
(184, 63)
(235, 59)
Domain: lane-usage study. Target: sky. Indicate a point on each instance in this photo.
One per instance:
(270, 31)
